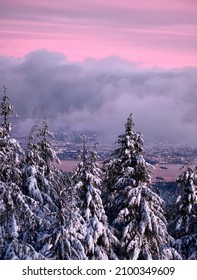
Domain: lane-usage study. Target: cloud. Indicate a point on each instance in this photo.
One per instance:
(100, 94)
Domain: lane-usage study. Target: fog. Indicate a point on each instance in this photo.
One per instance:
(99, 95)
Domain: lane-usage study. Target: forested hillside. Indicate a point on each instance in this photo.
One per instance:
(109, 211)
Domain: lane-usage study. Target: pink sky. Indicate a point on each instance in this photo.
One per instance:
(149, 32)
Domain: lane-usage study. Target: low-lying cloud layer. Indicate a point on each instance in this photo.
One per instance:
(100, 94)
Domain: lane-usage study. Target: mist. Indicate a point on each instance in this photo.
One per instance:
(100, 94)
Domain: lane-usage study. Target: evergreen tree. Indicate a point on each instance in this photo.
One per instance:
(10, 150)
(66, 238)
(7, 110)
(41, 180)
(17, 221)
(99, 241)
(61, 237)
(18, 225)
(43, 183)
(126, 166)
(136, 210)
(184, 228)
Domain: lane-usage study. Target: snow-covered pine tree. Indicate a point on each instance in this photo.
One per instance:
(41, 180)
(60, 234)
(65, 240)
(44, 183)
(16, 218)
(186, 202)
(137, 210)
(184, 228)
(10, 150)
(18, 225)
(99, 241)
(30, 168)
(7, 110)
(125, 167)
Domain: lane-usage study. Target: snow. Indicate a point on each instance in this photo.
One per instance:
(100, 213)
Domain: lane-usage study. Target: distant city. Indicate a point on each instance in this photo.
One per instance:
(69, 144)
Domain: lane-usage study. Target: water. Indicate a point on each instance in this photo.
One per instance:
(167, 173)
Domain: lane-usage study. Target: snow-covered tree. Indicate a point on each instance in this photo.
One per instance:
(37, 218)
(41, 180)
(137, 210)
(10, 153)
(51, 189)
(184, 228)
(187, 215)
(125, 167)
(17, 222)
(44, 183)
(65, 241)
(7, 110)
(18, 225)
(142, 226)
(10, 150)
(99, 241)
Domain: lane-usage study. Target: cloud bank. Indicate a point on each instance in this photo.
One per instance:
(100, 94)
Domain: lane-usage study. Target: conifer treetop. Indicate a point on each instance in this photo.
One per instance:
(129, 125)
(46, 151)
(6, 111)
(43, 132)
(130, 142)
